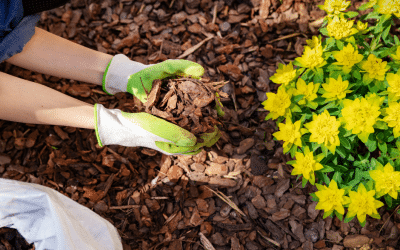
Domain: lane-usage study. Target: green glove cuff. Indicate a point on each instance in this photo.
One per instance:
(162, 70)
(104, 78)
(96, 126)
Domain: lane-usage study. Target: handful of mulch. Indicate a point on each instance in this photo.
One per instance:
(11, 239)
(187, 102)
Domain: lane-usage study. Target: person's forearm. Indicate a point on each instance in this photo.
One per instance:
(53, 55)
(28, 102)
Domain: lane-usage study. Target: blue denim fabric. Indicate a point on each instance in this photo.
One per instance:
(15, 30)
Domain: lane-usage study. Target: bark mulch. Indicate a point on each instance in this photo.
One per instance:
(239, 193)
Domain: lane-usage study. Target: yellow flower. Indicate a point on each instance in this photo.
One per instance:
(347, 57)
(339, 28)
(396, 56)
(314, 42)
(360, 115)
(330, 198)
(306, 164)
(311, 58)
(394, 83)
(335, 89)
(284, 74)
(290, 133)
(334, 6)
(362, 27)
(393, 118)
(362, 203)
(389, 7)
(375, 68)
(308, 90)
(278, 104)
(324, 129)
(387, 180)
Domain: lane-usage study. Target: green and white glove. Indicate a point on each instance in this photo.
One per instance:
(125, 75)
(115, 127)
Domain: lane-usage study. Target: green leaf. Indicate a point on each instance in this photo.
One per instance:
(279, 120)
(380, 136)
(388, 200)
(303, 118)
(385, 34)
(375, 41)
(314, 197)
(337, 177)
(348, 219)
(218, 106)
(330, 42)
(397, 42)
(366, 45)
(320, 100)
(293, 151)
(351, 14)
(364, 6)
(326, 214)
(362, 223)
(341, 152)
(374, 163)
(297, 98)
(333, 67)
(370, 185)
(356, 74)
(376, 216)
(295, 108)
(350, 135)
(306, 76)
(303, 182)
(339, 44)
(381, 125)
(345, 142)
(324, 31)
(328, 106)
(312, 105)
(306, 137)
(269, 116)
(327, 169)
(314, 146)
(373, 15)
(325, 150)
(382, 147)
(357, 178)
(340, 216)
(290, 162)
(335, 74)
(371, 143)
(319, 76)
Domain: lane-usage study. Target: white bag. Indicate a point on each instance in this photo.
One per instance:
(51, 220)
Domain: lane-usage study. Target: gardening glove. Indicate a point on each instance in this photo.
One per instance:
(125, 75)
(115, 127)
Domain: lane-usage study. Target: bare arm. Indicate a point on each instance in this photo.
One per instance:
(28, 102)
(53, 55)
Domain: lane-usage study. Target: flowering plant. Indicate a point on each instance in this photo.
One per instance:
(338, 111)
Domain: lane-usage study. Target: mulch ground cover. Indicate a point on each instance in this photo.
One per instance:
(239, 193)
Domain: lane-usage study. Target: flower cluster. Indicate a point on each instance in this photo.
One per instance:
(339, 102)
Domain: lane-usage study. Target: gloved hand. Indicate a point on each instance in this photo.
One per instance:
(114, 126)
(125, 75)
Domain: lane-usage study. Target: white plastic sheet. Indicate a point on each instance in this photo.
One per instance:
(51, 220)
